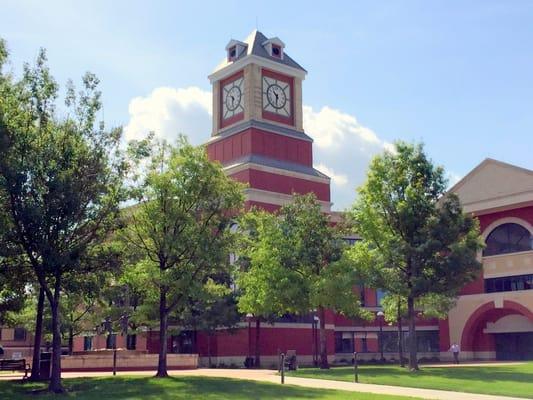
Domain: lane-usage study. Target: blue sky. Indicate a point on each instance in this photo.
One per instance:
(457, 75)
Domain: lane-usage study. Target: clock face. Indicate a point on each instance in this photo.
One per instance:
(232, 93)
(276, 96)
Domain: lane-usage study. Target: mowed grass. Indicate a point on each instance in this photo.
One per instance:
(509, 380)
(178, 388)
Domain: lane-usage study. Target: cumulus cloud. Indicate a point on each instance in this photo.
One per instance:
(169, 112)
(337, 179)
(342, 146)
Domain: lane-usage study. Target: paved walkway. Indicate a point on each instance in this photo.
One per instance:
(271, 376)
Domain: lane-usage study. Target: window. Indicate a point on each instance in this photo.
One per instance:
(111, 341)
(232, 53)
(364, 345)
(350, 241)
(184, 343)
(343, 342)
(509, 283)
(131, 342)
(87, 343)
(507, 238)
(19, 334)
(362, 295)
(379, 296)
(276, 51)
(427, 341)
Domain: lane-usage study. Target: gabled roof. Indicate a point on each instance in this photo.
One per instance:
(254, 46)
(494, 185)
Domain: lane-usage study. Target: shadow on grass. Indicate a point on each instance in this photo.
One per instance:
(145, 388)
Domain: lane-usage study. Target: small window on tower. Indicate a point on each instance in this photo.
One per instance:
(276, 51)
(232, 53)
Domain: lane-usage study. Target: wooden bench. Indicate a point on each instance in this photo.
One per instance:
(15, 365)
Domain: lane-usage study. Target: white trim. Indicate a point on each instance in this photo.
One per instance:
(279, 199)
(522, 199)
(386, 328)
(237, 65)
(280, 325)
(506, 220)
(235, 168)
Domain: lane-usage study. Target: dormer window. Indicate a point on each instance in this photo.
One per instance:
(232, 53)
(235, 49)
(276, 51)
(274, 47)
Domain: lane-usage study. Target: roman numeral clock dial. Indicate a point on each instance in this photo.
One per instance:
(232, 94)
(276, 96)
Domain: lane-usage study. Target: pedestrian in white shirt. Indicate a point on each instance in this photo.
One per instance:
(455, 350)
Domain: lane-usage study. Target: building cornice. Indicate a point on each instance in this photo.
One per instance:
(278, 199)
(235, 168)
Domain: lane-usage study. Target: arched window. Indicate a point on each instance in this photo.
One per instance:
(507, 238)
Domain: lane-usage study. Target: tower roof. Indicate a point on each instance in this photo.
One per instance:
(255, 45)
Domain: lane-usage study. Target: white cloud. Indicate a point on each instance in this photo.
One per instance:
(343, 147)
(337, 179)
(169, 112)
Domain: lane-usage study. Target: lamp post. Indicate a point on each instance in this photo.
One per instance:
(315, 337)
(249, 317)
(380, 319)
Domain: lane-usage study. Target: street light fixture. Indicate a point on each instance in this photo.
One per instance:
(380, 316)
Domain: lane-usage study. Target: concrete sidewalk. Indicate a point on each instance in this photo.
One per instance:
(272, 377)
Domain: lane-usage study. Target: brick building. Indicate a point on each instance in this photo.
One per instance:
(259, 139)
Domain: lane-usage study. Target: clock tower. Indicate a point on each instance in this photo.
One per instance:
(258, 133)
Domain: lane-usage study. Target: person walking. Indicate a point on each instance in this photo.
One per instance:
(455, 350)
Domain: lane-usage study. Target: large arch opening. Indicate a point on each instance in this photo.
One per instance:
(505, 333)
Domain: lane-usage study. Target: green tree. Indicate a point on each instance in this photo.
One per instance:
(315, 250)
(296, 265)
(266, 288)
(180, 227)
(416, 239)
(60, 180)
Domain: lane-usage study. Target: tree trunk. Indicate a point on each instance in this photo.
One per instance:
(413, 362)
(55, 378)
(36, 360)
(163, 345)
(257, 363)
(323, 341)
(70, 341)
(400, 334)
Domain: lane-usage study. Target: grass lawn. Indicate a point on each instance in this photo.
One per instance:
(512, 380)
(179, 388)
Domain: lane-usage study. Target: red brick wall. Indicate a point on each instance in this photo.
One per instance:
(525, 213)
(282, 184)
(259, 142)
